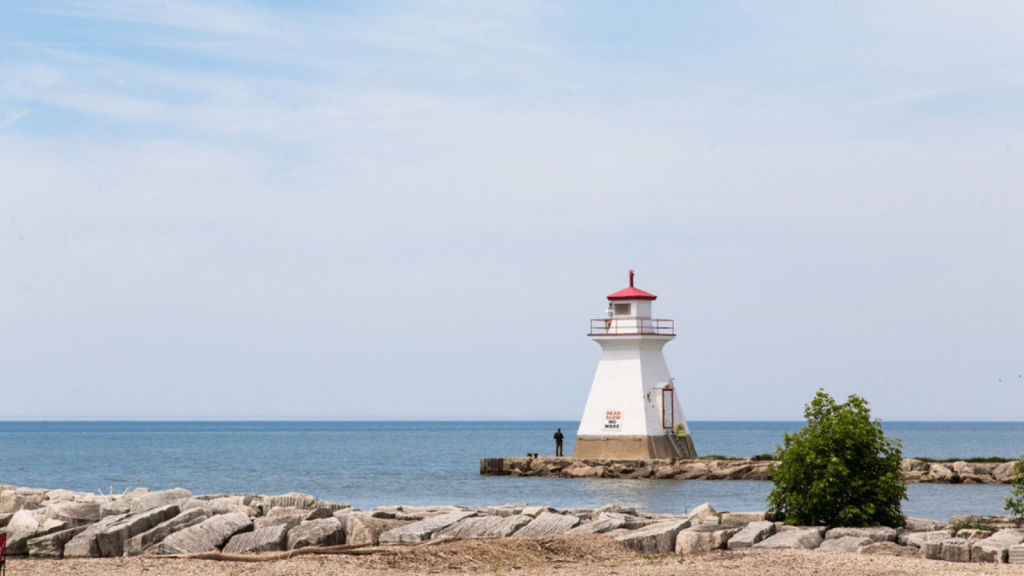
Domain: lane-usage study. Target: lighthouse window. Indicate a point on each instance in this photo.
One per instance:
(622, 309)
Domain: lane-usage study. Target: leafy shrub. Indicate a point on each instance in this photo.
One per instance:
(1015, 501)
(761, 457)
(838, 470)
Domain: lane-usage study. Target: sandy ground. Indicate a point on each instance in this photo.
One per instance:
(561, 555)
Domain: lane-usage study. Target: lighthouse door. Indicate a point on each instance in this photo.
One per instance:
(668, 404)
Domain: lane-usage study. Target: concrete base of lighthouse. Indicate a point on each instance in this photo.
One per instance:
(628, 447)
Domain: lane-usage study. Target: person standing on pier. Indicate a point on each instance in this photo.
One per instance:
(558, 442)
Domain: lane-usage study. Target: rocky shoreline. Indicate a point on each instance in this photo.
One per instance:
(176, 523)
(914, 471)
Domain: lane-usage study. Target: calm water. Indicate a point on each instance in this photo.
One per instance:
(369, 464)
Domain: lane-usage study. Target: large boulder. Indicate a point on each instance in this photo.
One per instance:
(887, 549)
(654, 539)
(917, 539)
(704, 538)
(875, 533)
(74, 513)
(1015, 555)
(751, 534)
(996, 547)
(323, 532)
(159, 499)
(118, 505)
(208, 535)
(112, 538)
(270, 539)
(52, 545)
(483, 527)
(219, 505)
(288, 521)
(701, 513)
(424, 529)
(801, 539)
(845, 544)
(13, 500)
(140, 543)
(950, 550)
(83, 544)
(924, 525)
(25, 525)
(547, 524)
(363, 530)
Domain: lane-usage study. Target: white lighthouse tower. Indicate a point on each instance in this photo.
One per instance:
(633, 410)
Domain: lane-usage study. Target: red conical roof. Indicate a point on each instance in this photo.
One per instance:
(632, 293)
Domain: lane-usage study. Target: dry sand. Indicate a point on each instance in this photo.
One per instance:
(561, 555)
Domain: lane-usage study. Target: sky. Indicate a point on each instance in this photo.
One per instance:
(412, 210)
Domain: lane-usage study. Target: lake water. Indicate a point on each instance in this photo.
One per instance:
(369, 464)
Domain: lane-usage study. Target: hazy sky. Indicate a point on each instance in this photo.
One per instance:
(411, 210)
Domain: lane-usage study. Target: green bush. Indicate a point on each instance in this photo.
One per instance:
(838, 470)
(1015, 501)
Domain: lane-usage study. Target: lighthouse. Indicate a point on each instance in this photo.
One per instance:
(633, 410)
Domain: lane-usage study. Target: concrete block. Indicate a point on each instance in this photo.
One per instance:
(323, 532)
(703, 538)
(271, 539)
(52, 545)
(208, 535)
(751, 534)
(655, 539)
(845, 544)
(484, 527)
(112, 538)
(802, 539)
(424, 529)
(546, 524)
(139, 543)
(996, 547)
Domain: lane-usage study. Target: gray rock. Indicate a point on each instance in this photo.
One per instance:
(996, 547)
(701, 513)
(923, 525)
(362, 530)
(83, 545)
(483, 527)
(74, 513)
(323, 532)
(291, 500)
(52, 545)
(505, 511)
(741, 519)
(534, 511)
(654, 539)
(956, 550)
(159, 499)
(603, 524)
(752, 534)
(12, 501)
(546, 524)
(270, 539)
(876, 533)
(112, 538)
(1015, 554)
(319, 513)
(845, 544)
(288, 522)
(703, 538)
(208, 535)
(424, 529)
(917, 539)
(122, 504)
(219, 505)
(801, 539)
(139, 543)
(887, 549)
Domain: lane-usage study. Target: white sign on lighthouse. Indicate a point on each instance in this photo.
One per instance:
(633, 410)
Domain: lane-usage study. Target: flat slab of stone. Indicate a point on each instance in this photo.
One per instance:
(75, 513)
(924, 525)
(888, 549)
(1015, 554)
(654, 539)
(83, 545)
(741, 519)
(875, 533)
(112, 538)
(751, 534)
(321, 532)
(140, 543)
(996, 547)
(546, 524)
(917, 539)
(210, 534)
(158, 499)
(799, 539)
(703, 538)
(52, 545)
(846, 544)
(361, 529)
(424, 529)
(270, 539)
(484, 527)
(603, 524)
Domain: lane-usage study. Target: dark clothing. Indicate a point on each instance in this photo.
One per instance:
(558, 443)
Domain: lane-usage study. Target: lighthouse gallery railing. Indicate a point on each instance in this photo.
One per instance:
(631, 327)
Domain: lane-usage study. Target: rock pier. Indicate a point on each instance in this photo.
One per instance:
(961, 472)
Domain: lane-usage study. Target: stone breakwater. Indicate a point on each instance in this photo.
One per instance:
(728, 469)
(61, 523)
